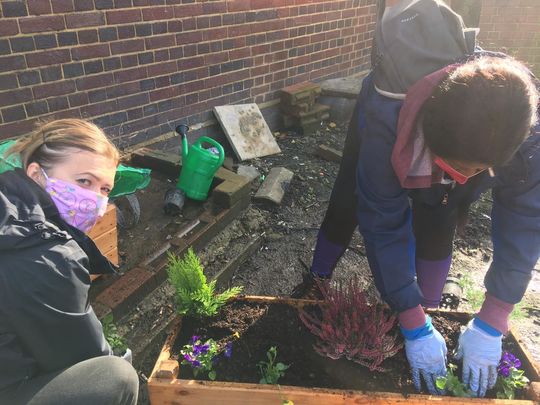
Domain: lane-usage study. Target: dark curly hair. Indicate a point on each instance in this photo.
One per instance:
(482, 112)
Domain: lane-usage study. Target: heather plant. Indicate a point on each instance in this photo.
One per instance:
(347, 325)
(511, 378)
(202, 357)
(271, 371)
(194, 295)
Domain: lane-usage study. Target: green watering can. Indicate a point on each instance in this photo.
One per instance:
(199, 165)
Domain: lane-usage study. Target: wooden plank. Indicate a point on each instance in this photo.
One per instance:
(105, 223)
(184, 392)
(172, 390)
(107, 241)
(165, 354)
(224, 276)
(112, 255)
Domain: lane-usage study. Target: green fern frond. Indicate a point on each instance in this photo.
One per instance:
(194, 296)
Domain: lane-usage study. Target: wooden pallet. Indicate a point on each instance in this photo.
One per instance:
(165, 388)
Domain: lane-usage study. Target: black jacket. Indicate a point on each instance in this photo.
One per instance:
(46, 321)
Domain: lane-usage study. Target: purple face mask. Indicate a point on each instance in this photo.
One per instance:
(78, 206)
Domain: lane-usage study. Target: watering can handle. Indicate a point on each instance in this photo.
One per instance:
(215, 143)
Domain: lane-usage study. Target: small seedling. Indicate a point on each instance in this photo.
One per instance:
(451, 383)
(270, 371)
(194, 295)
(117, 342)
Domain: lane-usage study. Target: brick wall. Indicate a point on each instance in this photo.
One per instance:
(131, 66)
(512, 26)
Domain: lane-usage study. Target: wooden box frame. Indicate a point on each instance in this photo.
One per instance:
(105, 235)
(165, 388)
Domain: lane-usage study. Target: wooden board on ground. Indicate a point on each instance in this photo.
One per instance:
(246, 130)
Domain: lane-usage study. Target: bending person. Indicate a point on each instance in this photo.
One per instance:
(436, 124)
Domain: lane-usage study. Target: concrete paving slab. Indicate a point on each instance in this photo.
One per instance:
(246, 130)
(274, 187)
(249, 172)
(347, 87)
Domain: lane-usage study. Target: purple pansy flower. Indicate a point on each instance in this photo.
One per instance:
(508, 360)
(200, 349)
(195, 338)
(228, 350)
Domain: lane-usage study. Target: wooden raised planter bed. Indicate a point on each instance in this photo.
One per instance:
(165, 386)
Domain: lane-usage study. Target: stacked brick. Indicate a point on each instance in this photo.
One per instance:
(133, 66)
(300, 108)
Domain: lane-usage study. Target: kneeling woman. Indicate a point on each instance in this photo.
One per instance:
(52, 347)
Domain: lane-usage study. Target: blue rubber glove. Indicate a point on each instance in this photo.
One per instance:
(481, 349)
(426, 352)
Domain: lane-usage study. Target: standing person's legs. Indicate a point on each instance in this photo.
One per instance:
(339, 221)
(434, 228)
(102, 380)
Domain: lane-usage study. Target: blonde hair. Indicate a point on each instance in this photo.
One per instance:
(51, 142)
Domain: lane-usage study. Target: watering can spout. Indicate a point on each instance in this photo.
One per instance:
(182, 130)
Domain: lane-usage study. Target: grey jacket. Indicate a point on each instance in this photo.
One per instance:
(46, 321)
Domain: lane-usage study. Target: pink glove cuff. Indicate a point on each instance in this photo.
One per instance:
(495, 313)
(412, 318)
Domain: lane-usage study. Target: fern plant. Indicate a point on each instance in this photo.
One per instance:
(194, 295)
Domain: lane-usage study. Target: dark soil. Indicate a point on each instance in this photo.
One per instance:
(261, 326)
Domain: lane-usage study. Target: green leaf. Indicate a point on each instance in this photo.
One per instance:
(440, 382)
(212, 375)
(281, 367)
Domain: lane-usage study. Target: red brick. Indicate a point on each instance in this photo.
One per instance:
(38, 7)
(160, 69)
(41, 23)
(126, 292)
(187, 10)
(49, 57)
(130, 75)
(90, 52)
(99, 108)
(78, 99)
(17, 96)
(62, 6)
(11, 63)
(239, 5)
(123, 16)
(162, 41)
(16, 128)
(95, 81)
(78, 20)
(53, 89)
(127, 46)
(9, 27)
(158, 13)
(188, 37)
